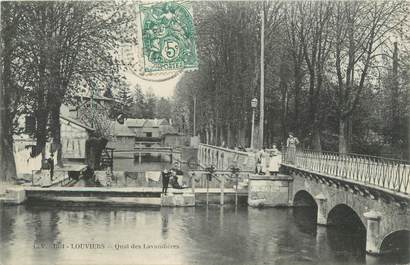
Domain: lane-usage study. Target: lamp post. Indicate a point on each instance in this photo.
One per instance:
(254, 103)
(194, 131)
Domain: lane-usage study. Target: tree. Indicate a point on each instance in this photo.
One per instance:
(123, 98)
(138, 104)
(11, 92)
(321, 64)
(150, 105)
(360, 29)
(163, 108)
(60, 46)
(315, 39)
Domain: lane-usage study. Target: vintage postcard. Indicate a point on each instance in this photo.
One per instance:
(204, 132)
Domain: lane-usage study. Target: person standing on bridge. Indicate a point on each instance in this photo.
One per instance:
(291, 144)
(274, 161)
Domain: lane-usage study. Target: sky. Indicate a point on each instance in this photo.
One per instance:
(159, 88)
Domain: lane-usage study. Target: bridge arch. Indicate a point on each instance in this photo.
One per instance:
(305, 211)
(343, 215)
(346, 230)
(397, 242)
(303, 198)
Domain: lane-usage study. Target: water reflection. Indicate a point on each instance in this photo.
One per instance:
(164, 221)
(202, 235)
(305, 219)
(347, 244)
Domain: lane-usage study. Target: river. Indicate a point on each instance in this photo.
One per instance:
(201, 235)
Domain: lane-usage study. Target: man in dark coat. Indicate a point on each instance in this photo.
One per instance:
(165, 175)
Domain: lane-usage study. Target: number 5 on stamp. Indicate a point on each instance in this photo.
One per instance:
(168, 37)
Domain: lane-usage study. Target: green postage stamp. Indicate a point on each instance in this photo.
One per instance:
(168, 37)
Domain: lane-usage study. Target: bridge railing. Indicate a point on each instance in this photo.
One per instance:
(223, 158)
(379, 171)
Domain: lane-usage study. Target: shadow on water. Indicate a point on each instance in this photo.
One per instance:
(346, 234)
(50, 206)
(348, 243)
(305, 219)
(396, 247)
(305, 212)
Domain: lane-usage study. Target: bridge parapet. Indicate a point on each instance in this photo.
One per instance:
(223, 158)
(385, 173)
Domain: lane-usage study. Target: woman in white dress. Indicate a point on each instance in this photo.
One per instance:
(275, 159)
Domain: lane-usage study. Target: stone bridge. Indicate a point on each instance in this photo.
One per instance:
(363, 191)
(360, 192)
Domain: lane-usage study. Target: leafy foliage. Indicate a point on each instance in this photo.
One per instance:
(327, 66)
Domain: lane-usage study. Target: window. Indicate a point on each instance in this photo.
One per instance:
(30, 124)
(148, 134)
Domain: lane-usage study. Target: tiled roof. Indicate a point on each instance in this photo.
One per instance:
(155, 123)
(146, 123)
(150, 124)
(121, 130)
(95, 97)
(135, 122)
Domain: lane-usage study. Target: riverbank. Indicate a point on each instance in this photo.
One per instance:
(132, 196)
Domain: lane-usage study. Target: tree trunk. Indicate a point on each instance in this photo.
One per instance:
(241, 137)
(229, 136)
(395, 136)
(342, 136)
(2, 160)
(298, 85)
(211, 134)
(284, 110)
(56, 133)
(349, 133)
(316, 143)
(7, 162)
(206, 135)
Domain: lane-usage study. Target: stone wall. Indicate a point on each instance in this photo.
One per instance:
(269, 190)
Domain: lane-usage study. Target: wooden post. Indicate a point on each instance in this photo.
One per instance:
(193, 183)
(222, 188)
(171, 157)
(207, 190)
(139, 154)
(112, 162)
(236, 190)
